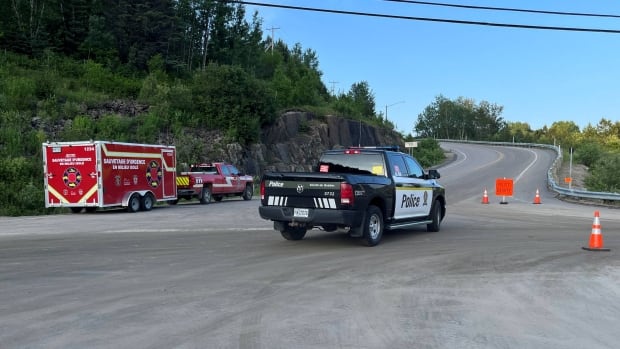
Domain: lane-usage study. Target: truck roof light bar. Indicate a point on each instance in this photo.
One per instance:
(379, 147)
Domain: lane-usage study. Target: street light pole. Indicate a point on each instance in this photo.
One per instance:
(386, 108)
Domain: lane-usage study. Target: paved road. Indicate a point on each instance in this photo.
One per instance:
(217, 276)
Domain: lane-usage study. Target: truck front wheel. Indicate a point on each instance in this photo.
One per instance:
(205, 196)
(372, 226)
(293, 233)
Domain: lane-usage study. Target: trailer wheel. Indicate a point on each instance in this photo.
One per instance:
(147, 202)
(91, 209)
(248, 192)
(293, 233)
(372, 226)
(218, 198)
(76, 209)
(134, 203)
(205, 196)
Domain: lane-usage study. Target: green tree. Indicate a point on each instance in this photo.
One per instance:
(564, 133)
(604, 175)
(98, 44)
(460, 119)
(589, 153)
(230, 99)
(363, 99)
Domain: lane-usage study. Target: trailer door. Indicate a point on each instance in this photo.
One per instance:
(169, 182)
(70, 175)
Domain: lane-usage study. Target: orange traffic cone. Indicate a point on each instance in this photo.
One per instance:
(596, 238)
(537, 197)
(485, 197)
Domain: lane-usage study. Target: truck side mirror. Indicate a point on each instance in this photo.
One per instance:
(433, 174)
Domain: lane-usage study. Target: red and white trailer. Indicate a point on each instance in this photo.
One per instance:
(96, 174)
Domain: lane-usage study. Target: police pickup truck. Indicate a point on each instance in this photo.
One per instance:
(362, 191)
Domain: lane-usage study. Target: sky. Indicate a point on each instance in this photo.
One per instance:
(538, 76)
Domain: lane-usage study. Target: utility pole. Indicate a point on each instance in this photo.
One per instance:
(273, 40)
(333, 84)
(386, 108)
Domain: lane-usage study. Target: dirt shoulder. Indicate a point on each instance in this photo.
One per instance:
(578, 172)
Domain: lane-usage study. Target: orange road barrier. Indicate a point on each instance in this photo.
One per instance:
(485, 196)
(596, 237)
(537, 198)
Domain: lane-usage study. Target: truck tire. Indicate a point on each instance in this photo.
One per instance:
(205, 195)
(248, 192)
(435, 216)
(217, 198)
(76, 209)
(133, 205)
(372, 226)
(293, 233)
(147, 202)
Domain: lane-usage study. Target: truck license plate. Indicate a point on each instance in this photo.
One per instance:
(300, 212)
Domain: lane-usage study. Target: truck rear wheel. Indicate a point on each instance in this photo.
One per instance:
(147, 202)
(134, 203)
(76, 209)
(372, 226)
(293, 233)
(248, 192)
(436, 218)
(205, 196)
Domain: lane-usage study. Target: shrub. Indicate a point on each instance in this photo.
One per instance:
(588, 153)
(603, 175)
(428, 152)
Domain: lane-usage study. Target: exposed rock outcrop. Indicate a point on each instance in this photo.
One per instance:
(297, 139)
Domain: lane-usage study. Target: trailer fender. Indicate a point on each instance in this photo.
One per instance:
(128, 194)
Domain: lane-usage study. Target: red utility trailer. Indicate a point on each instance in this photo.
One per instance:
(96, 174)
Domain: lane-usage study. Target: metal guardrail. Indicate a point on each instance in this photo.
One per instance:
(552, 173)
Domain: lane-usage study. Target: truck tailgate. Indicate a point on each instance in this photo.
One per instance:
(291, 190)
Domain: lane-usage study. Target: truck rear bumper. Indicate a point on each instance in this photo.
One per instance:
(316, 216)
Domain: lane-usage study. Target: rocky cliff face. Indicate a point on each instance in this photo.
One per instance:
(293, 143)
(297, 139)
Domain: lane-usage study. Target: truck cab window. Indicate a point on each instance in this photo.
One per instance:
(233, 170)
(397, 165)
(415, 170)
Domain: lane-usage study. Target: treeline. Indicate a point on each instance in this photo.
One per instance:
(596, 146)
(188, 67)
(203, 61)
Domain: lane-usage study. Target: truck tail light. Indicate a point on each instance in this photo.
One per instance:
(346, 194)
(262, 190)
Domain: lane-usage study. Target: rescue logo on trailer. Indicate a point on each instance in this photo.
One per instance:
(72, 177)
(153, 174)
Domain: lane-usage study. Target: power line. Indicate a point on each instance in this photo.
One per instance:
(427, 19)
(507, 9)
